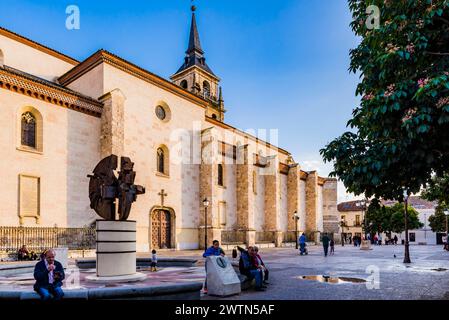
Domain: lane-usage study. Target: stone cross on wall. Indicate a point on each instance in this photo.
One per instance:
(163, 195)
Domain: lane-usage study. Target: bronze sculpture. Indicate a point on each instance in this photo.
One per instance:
(105, 187)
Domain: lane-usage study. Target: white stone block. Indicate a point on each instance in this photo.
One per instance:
(221, 277)
(62, 255)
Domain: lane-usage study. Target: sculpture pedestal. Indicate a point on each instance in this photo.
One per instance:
(116, 252)
(366, 245)
(62, 255)
(222, 280)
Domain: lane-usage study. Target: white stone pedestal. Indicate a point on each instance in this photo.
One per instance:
(116, 252)
(62, 255)
(221, 277)
(366, 245)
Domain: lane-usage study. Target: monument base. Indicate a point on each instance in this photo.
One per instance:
(118, 279)
(366, 245)
(116, 252)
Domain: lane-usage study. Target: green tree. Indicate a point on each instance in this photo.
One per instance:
(400, 130)
(437, 221)
(437, 190)
(390, 218)
(397, 222)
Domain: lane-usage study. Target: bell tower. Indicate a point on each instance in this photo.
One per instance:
(195, 75)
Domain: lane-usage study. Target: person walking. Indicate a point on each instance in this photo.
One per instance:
(395, 239)
(326, 241)
(332, 244)
(302, 244)
(153, 261)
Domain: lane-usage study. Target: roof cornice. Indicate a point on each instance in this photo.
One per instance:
(103, 56)
(58, 96)
(38, 46)
(246, 135)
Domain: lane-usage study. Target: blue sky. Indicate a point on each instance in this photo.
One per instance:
(283, 64)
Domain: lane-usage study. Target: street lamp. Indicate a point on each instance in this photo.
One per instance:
(362, 204)
(446, 213)
(205, 204)
(407, 252)
(296, 218)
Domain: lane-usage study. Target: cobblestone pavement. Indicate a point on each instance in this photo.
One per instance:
(425, 278)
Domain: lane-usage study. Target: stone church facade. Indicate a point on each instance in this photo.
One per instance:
(60, 117)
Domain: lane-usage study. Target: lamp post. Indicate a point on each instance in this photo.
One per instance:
(205, 204)
(362, 205)
(446, 213)
(296, 218)
(407, 252)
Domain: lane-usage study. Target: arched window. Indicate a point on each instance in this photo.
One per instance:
(220, 175)
(2, 59)
(160, 160)
(28, 130)
(206, 89)
(184, 84)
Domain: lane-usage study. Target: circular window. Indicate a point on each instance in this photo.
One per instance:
(160, 112)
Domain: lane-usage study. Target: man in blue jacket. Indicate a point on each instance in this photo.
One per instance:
(215, 250)
(49, 274)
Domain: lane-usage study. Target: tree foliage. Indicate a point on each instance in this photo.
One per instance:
(400, 130)
(437, 190)
(388, 219)
(437, 221)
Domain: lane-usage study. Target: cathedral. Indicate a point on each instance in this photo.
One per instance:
(203, 177)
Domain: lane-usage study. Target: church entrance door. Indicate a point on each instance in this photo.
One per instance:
(160, 229)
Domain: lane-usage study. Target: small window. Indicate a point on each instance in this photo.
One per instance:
(162, 157)
(357, 220)
(28, 130)
(160, 113)
(206, 89)
(220, 175)
(214, 116)
(184, 84)
(160, 160)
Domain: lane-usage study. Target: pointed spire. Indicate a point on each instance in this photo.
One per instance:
(194, 40)
(194, 53)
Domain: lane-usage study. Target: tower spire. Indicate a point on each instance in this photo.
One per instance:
(194, 53)
(194, 39)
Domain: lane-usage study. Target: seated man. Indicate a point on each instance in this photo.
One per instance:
(259, 262)
(49, 274)
(23, 253)
(249, 269)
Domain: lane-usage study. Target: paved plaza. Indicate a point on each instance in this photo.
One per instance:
(387, 278)
(425, 278)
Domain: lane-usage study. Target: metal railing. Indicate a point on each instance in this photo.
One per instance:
(233, 237)
(290, 236)
(265, 236)
(38, 239)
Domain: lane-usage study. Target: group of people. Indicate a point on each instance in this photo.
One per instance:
(25, 255)
(251, 264)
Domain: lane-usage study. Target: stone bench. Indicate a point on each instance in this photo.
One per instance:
(244, 281)
(89, 263)
(183, 291)
(13, 268)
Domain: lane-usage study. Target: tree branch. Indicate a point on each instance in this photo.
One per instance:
(443, 19)
(438, 53)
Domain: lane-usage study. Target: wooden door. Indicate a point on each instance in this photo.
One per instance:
(160, 229)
